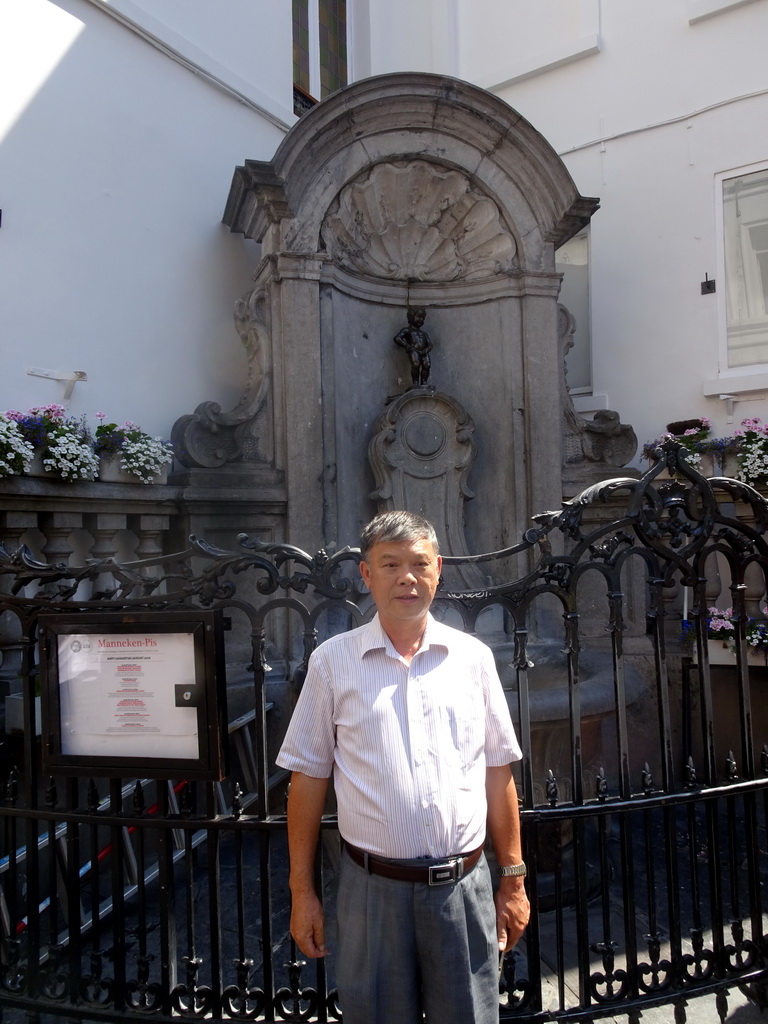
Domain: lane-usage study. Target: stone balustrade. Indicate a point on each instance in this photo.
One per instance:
(72, 522)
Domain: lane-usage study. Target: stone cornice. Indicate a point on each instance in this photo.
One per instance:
(460, 293)
(256, 200)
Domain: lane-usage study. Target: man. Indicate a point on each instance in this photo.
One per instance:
(410, 717)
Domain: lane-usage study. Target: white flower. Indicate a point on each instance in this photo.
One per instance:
(15, 453)
(145, 456)
(753, 454)
(70, 455)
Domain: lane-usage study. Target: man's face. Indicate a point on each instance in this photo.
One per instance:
(402, 577)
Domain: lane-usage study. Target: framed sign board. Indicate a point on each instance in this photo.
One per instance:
(133, 694)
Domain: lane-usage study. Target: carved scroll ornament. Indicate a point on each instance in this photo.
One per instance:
(208, 437)
(604, 439)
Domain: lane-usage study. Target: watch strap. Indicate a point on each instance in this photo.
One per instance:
(513, 870)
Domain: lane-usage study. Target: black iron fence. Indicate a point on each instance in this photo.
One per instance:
(644, 782)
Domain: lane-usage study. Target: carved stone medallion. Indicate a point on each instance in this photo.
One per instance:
(421, 454)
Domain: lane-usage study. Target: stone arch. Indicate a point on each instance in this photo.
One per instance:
(401, 117)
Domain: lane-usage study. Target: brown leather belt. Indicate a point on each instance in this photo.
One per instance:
(441, 873)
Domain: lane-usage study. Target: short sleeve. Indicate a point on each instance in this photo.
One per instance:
(309, 743)
(501, 743)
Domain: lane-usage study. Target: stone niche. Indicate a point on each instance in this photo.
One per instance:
(400, 190)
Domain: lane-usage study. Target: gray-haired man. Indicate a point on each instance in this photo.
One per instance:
(409, 716)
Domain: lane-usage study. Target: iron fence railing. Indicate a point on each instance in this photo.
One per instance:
(644, 781)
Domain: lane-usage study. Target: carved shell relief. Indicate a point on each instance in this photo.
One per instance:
(413, 220)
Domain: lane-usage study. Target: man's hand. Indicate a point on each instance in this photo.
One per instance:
(512, 912)
(306, 797)
(308, 925)
(512, 907)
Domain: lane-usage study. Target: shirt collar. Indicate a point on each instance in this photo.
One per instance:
(376, 639)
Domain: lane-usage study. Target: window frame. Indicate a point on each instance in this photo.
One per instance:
(315, 93)
(726, 372)
(583, 338)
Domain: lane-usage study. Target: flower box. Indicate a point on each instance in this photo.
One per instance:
(63, 444)
(744, 456)
(721, 625)
(15, 450)
(45, 442)
(719, 653)
(111, 472)
(36, 467)
(147, 458)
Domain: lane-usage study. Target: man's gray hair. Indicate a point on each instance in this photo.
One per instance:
(394, 527)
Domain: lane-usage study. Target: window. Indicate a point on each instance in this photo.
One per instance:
(333, 45)
(319, 50)
(301, 45)
(745, 246)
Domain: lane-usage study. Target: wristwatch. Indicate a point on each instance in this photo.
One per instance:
(513, 870)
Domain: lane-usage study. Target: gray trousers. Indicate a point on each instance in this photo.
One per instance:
(410, 950)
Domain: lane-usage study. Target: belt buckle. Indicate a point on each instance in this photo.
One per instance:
(444, 874)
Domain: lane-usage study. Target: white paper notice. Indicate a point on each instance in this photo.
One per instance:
(117, 695)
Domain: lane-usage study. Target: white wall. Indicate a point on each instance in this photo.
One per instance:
(655, 337)
(510, 41)
(115, 163)
(412, 35)
(116, 159)
(244, 43)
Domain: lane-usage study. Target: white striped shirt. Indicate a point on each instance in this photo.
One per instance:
(407, 745)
